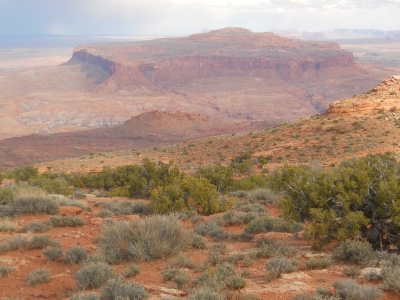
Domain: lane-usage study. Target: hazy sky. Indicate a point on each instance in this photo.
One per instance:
(177, 17)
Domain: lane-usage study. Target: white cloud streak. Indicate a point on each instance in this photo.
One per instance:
(175, 17)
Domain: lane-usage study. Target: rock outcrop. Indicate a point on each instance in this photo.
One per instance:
(386, 96)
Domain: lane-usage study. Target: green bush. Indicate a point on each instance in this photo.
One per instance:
(75, 254)
(40, 241)
(93, 274)
(354, 251)
(6, 195)
(158, 236)
(39, 276)
(117, 288)
(359, 197)
(53, 253)
(23, 173)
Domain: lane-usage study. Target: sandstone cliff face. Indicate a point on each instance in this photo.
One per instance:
(226, 52)
(386, 96)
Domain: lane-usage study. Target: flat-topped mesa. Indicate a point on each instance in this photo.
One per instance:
(225, 52)
(386, 96)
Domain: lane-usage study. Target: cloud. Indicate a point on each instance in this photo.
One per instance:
(180, 17)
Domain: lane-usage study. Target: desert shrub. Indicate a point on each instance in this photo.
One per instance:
(39, 276)
(96, 257)
(359, 197)
(78, 194)
(348, 289)
(127, 208)
(6, 195)
(314, 263)
(93, 274)
(270, 248)
(217, 254)
(72, 202)
(32, 200)
(278, 265)
(40, 241)
(85, 296)
(180, 277)
(238, 193)
(5, 270)
(220, 176)
(205, 294)
(132, 271)
(230, 218)
(23, 173)
(181, 261)
(75, 254)
(245, 237)
(216, 278)
(150, 238)
(62, 221)
(268, 224)
(51, 183)
(117, 288)
(262, 194)
(211, 229)
(53, 253)
(251, 207)
(13, 243)
(105, 213)
(7, 224)
(36, 226)
(390, 275)
(236, 282)
(198, 241)
(235, 257)
(352, 271)
(354, 251)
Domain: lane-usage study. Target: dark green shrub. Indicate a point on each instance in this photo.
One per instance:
(39, 276)
(132, 271)
(117, 288)
(6, 195)
(23, 173)
(40, 241)
(354, 251)
(75, 254)
(93, 274)
(5, 270)
(348, 289)
(36, 227)
(158, 236)
(53, 253)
